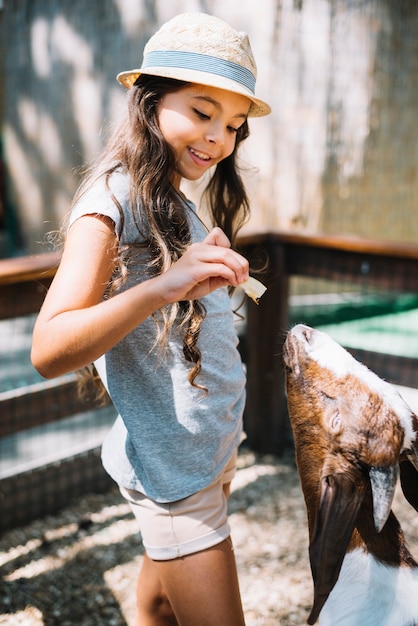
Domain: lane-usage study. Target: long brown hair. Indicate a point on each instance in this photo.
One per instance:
(138, 147)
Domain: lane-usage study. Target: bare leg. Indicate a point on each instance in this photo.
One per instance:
(152, 605)
(203, 587)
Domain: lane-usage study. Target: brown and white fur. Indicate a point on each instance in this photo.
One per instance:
(353, 435)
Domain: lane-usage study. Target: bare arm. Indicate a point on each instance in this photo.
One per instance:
(75, 326)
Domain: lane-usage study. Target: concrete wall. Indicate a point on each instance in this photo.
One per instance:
(338, 154)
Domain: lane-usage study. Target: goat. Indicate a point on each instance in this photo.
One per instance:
(353, 436)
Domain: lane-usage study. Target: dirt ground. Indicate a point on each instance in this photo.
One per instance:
(79, 567)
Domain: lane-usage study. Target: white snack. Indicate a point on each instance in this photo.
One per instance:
(253, 288)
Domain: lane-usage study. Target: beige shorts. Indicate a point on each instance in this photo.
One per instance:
(175, 529)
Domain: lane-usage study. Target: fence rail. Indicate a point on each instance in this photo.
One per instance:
(24, 281)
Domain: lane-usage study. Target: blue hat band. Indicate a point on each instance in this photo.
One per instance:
(200, 63)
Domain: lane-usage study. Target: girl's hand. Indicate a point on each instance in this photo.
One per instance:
(204, 267)
(75, 325)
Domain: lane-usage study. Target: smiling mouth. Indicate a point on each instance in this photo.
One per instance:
(200, 155)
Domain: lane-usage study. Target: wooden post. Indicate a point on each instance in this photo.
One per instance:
(266, 419)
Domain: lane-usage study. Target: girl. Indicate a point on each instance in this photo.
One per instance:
(141, 293)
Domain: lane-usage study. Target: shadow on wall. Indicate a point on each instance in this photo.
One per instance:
(61, 88)
(337, 154)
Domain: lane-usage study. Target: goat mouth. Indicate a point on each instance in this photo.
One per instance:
(290, 356)
(287, 360)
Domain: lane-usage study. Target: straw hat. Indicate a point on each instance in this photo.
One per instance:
(202, 49)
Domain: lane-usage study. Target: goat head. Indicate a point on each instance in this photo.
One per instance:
(352, 432)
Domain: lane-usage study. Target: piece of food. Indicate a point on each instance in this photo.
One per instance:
(253, 288)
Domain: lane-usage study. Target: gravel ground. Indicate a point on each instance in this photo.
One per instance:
(79, 567)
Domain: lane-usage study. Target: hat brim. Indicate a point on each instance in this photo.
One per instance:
(258, 107)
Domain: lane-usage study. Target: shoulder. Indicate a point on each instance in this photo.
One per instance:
(107, 195)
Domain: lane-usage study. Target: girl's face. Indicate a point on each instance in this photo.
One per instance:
(200, 123)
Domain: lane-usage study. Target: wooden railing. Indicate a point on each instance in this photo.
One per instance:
(23, 285)
(23, 282)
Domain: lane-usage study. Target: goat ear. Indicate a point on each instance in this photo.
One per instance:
(409, 482)
(383, 482)
(340, 500)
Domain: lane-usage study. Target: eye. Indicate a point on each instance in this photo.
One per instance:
(201, 115)
(336, 421)
(231, 129)
(332, 413)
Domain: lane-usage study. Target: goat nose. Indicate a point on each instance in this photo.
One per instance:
(307, 333)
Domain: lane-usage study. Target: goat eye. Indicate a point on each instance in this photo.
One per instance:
(336, 422)
(331, 413)
(327, 398)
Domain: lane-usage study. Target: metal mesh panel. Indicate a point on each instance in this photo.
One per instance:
(49, 440)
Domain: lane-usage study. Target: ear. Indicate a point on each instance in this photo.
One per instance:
(383, 482)
(340, 500)
(409, 482)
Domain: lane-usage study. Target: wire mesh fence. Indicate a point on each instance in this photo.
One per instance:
(49, 441)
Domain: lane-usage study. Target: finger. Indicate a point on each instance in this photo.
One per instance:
(217, 237)
(206, 287)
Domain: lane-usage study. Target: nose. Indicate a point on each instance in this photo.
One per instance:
(302, 332)
(307, 333)
(216, 134)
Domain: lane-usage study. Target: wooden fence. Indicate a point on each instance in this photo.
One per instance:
(360, 262)
(30, 494)
(23, 283)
